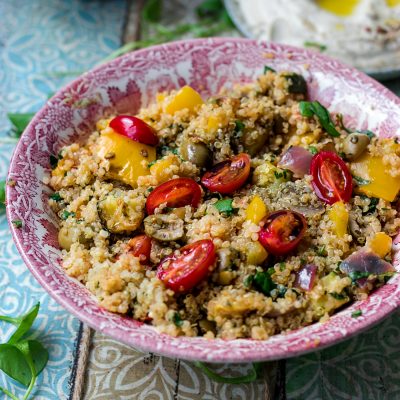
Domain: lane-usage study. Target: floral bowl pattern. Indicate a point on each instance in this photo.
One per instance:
(125, 84)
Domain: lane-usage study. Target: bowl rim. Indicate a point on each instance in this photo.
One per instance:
(167, 345)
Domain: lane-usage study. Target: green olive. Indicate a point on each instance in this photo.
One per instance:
(197, 153)
(253, 141)
(355, 144)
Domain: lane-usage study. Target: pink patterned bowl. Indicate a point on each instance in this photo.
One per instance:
(133, 80)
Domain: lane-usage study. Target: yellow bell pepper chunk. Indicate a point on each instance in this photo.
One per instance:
(381, 183)
(255, 253)
(102, 124)
(256, 210)
(160, 97)
(128, 159)
(340, 218)
(184, 98)
(213, 123)
(166, 167)
(380, 244)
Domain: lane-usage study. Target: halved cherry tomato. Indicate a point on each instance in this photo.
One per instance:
(177, 192)
(282, 231)
(135, 129)
(182, 273)
(332, 180)
(140, 246)
(228, 176)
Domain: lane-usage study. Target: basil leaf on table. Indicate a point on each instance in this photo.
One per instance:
(13, 363)
(20, 121)
(25, 323)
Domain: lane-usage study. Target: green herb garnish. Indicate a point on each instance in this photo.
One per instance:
(150, 164)
(65, 214)
(266, 69)
(356, 314)
(321, 251)
(20, 121)
(17, 223)
(263, 283)
(225, 206)
(311, 108)
(239, 126)
(313, 150)
(177, 320)
(372, 205)
(21, 359)
(56, 196)
(361, 181)
(355, 275)
(338, 296)
(54, 160)
(297, 84)
(3, 192)
(248, 281)
(321, 47)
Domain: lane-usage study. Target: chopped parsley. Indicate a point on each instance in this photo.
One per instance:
(266, 69)
(355, 275)
(338, 296)
(65, 214)
(356, 314)
(224, 206)
(313, 150)
(56, 196)
(150, 164)
(282, 266)
(248, 281)
(177, 320)
(361, 181)
(239, 126)
(372, 205)
(17, 223)
(263, 283)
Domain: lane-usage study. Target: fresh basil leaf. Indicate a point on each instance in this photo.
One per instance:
(297, 84)
(248, 281)
(339, 118)
(308, 109)
(321, 47)
(20, 121)
(225, 206)
(263, 283)
(25, 324)
(361, 181)
(356, 314)
(3, 192)
(39, 354)
(266, 69)
(14, 364)
(152, 10)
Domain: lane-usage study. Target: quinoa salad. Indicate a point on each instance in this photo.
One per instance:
(244, 215)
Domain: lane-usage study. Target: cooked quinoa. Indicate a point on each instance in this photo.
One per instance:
(339, 250)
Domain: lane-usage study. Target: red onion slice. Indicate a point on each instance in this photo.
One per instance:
(305, 277)
(296, 159)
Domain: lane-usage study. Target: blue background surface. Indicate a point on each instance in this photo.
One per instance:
(39, 40)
